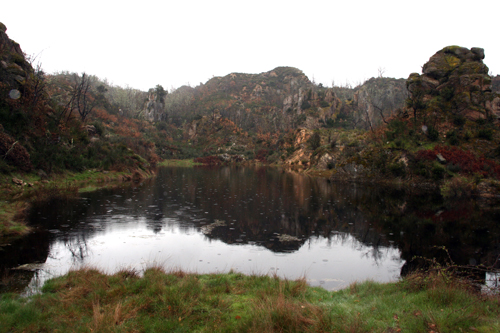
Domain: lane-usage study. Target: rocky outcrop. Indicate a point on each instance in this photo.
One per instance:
(155, 106)
(495, 84)
(455, 80)
(377, 99)
(13, 66)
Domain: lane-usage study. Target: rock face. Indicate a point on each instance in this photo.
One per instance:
(455, 79)
(378, 99)
(13, 66)
(155, 107)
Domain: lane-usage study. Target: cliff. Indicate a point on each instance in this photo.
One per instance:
(283, 99)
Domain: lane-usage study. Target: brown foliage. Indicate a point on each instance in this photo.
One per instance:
(14, 152)
(209, 160)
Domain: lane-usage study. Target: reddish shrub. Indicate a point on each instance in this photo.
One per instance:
(467, 161)
(261, 155)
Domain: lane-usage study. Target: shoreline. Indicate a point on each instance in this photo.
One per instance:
(20, 190)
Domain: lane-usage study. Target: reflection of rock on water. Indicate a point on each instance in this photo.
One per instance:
(284, 238)
(207, 229)
(237, 235)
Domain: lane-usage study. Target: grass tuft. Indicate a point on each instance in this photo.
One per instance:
(175, 301)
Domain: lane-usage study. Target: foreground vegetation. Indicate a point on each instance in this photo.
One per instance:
(88, 300)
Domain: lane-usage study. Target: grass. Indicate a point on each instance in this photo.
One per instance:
(183, 163)
(15, 199)
(88, 300)
(11, 219)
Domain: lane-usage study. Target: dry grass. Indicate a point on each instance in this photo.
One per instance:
(175, 301)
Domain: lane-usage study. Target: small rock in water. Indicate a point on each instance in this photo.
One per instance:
(207, 229)
(284, 238)
(30, 267)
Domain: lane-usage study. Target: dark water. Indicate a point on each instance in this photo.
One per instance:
(342, 232)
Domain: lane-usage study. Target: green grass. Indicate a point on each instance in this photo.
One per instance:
(90, 301)
(10, 219)
(183, 163)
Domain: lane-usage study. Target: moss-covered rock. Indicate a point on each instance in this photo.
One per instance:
(460, 78)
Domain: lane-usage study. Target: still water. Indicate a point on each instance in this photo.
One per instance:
(253, 220)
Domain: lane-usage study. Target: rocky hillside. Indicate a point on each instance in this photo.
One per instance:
(22, 104)
(53, 123)
(283, 99)
(447, 135)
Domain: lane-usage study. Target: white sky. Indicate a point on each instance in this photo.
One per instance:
(145, 43)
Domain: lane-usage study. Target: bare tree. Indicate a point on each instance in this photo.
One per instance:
(82, 98)
(381, 71)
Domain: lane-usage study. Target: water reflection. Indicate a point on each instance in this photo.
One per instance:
(340, 232)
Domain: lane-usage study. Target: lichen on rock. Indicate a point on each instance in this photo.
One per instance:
(455, 80)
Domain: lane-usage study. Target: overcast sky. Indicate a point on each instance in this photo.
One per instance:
(172, 43)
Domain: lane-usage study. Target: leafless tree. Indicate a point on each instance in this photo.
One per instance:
(81, 100)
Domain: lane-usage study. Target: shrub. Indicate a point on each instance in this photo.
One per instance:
(396, 129)
(459, 120)
(99, 128)
(324, 104)
(261, 155)
(437, 171)
(397, 169)
(432, 134)
(453, 168)
(467, 161)
(452, 138)
(485, 133)
(314, 141)
(458, 187)
(161, 126)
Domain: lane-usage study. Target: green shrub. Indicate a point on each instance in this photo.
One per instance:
(305, 105)
(398, 169)
(438, 171)
(432, 134)
(458, 187)
(452, 138)
(485, 133)
(455, 168)
(314, 141)
(99, 128)
(324, 104)
(161, 126)
(396, 129)
(481, 122)
(459, 120)
(420, 169)
(399, 143)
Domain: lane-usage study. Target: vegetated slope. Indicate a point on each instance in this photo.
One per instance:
(244, 116)
(283, 99)
(447, 134)
(65, 122)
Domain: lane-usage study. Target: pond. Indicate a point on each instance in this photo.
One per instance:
(254, 220)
